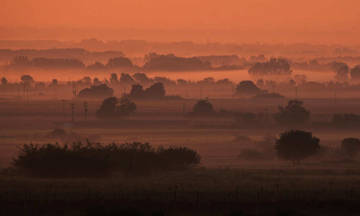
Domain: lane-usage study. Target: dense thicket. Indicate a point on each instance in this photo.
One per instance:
(98, 160)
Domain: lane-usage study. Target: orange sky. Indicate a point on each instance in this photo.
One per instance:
(333, 21)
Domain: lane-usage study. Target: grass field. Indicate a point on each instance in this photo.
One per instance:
(223, 184)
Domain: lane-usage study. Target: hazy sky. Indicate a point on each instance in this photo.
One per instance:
(268, 20)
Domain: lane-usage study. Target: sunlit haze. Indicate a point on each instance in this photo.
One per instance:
(280, 21)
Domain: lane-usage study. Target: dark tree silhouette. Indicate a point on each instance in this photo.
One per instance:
(203, 107)
(119, 62)
(142, 78)
(341, 69)
(4, 81)
(20, 61)
(114, 78)
(112, 107)
(293, 114)
(57, 63)
(350, 146)
(27, 80)
(247, 87)
(155, 91)
(97, 91)
(296, 145)
(96, 81)
(355, 72)
(137, 91)
(275, 66)
(107, 108)
(126, 79)
(171, 62)
(86, 80)
(96, 66)
(54, 82)
(125, 107)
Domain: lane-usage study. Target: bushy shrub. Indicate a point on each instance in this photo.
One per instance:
(112, 107)
(97, 160)
(294, 114)
(296, 145)
(203, 107)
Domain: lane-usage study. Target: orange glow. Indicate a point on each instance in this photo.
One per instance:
(232, 20)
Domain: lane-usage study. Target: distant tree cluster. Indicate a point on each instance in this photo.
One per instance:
(275, 66)
(113, 107)
(248, 87)
(293, 114)
(97, 91)
(155, 91)
(46, 63)
(23, 62)
(171, 62)
(203, 107)
(341, 69)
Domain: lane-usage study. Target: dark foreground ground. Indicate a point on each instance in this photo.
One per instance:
(295, 191)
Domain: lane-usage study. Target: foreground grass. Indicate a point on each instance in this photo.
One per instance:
(192, 192)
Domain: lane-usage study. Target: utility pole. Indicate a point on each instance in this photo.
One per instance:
(72, 112)
(85, 109)
(74, 90)
(63, 108)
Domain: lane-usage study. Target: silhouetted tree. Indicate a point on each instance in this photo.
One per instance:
(96, 66)
(355, 72)
(296, 145)
(137, 91)
(126, 79)
(112, 107)
(27, 80)
(275, 66)
(107, 108)
(119, 62)
(114, 78)
(293, 114)
(341, 69)
(203, 107)
(125, 107)
(57, 63)
(96, 81)
(54, 82)
(155, 91)
(350, 146)
(171, 62)
(247, 87)
(142, 78)
(4, 81)
(20, 61)
(97, 91)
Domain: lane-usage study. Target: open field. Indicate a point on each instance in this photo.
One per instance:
(223, 184)
(294, 191)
